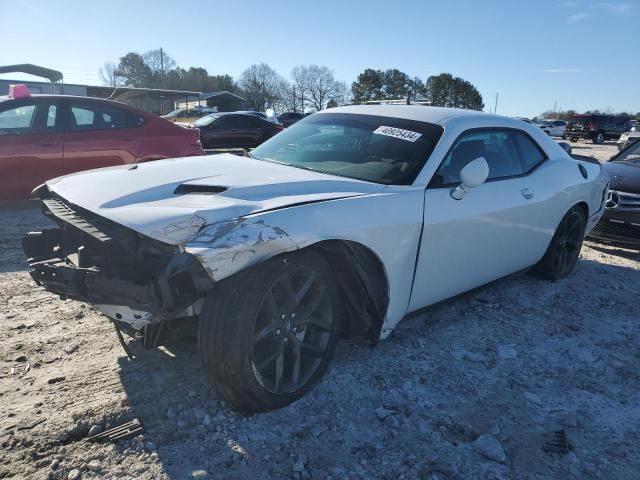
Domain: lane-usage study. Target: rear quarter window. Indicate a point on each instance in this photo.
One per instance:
(530, 153)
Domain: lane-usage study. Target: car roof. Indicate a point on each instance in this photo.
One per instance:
(72, 97)
(420, 113)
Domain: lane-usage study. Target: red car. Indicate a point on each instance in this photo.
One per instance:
(46, 136)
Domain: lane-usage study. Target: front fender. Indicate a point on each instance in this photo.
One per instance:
(388, 224)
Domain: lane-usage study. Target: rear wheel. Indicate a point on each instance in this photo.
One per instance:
(564, 249)
(267, 335)
(574, 139)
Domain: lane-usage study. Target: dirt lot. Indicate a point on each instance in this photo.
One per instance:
(524, 379)
(585, 147)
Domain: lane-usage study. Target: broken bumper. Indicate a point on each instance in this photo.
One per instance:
(129, 277)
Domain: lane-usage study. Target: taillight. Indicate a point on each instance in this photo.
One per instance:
(589, 126)
(194, 137)
(279, 127)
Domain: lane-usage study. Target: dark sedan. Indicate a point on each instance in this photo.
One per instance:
(289, 118)
(235, 130)
(621, 220)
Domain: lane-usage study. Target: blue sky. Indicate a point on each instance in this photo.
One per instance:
(581, 54)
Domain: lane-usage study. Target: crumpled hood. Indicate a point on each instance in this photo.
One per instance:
(210, 189)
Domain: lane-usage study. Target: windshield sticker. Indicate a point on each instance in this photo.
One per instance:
(407, 135)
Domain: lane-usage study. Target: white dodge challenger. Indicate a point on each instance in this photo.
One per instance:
(343, 224)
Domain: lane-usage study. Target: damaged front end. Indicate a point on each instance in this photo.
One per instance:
(137, 281)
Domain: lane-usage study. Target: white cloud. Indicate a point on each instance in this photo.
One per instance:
(564, 70)
(612, 8)
(578, 17)
(615, 7)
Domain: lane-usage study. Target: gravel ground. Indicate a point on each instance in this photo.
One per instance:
(523, 379)
(586, 147)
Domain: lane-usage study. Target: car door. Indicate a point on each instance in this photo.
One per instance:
(496, 229)
(252, 131)
(98, 135)
(217, 134)
(31, 146)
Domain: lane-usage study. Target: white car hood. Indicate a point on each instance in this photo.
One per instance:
(142, 197)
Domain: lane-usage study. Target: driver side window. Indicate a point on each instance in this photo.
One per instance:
(498, 148)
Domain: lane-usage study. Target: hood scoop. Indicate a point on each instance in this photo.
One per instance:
(187, 188)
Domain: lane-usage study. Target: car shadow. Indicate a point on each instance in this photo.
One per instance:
(618, 249)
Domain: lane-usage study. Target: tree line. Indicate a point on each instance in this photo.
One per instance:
(567, 114)
(307, 88)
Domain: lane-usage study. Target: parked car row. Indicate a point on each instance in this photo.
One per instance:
(597, 127)
(590, 126)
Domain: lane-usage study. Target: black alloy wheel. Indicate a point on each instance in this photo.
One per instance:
(292, 331)
(267, 334)
(563, 251)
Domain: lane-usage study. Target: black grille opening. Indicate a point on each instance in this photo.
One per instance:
(186, 189)
(615, 229)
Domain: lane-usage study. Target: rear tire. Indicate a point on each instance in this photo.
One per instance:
(267, 335)
(562, 254)
(598, 138)
(574, 139)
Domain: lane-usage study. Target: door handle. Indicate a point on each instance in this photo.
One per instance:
(527, 193)
(49, 144)
(127, 139)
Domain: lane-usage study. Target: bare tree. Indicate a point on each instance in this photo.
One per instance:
(158, 60)
(262, 86)
(160, 64)
(108, 74)
(343, 93)
(321, 86)
(290, 100)
(300, 85)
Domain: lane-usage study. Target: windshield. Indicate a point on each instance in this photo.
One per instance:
(372, 148)
(631, 155)
(205, 121)
(174, 114)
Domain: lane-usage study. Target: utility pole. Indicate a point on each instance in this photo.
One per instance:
(161, 68)
(495, 108)
(555, 104)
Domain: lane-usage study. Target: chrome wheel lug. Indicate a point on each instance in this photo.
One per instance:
(286, 340)
(278, 332)
(283, 316)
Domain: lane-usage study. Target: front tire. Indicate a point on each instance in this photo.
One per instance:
(562, 254)
(267, 335)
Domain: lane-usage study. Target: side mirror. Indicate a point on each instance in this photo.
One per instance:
(474, 174)
(566, 147)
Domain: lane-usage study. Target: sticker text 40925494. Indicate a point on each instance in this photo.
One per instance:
(400, 133)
